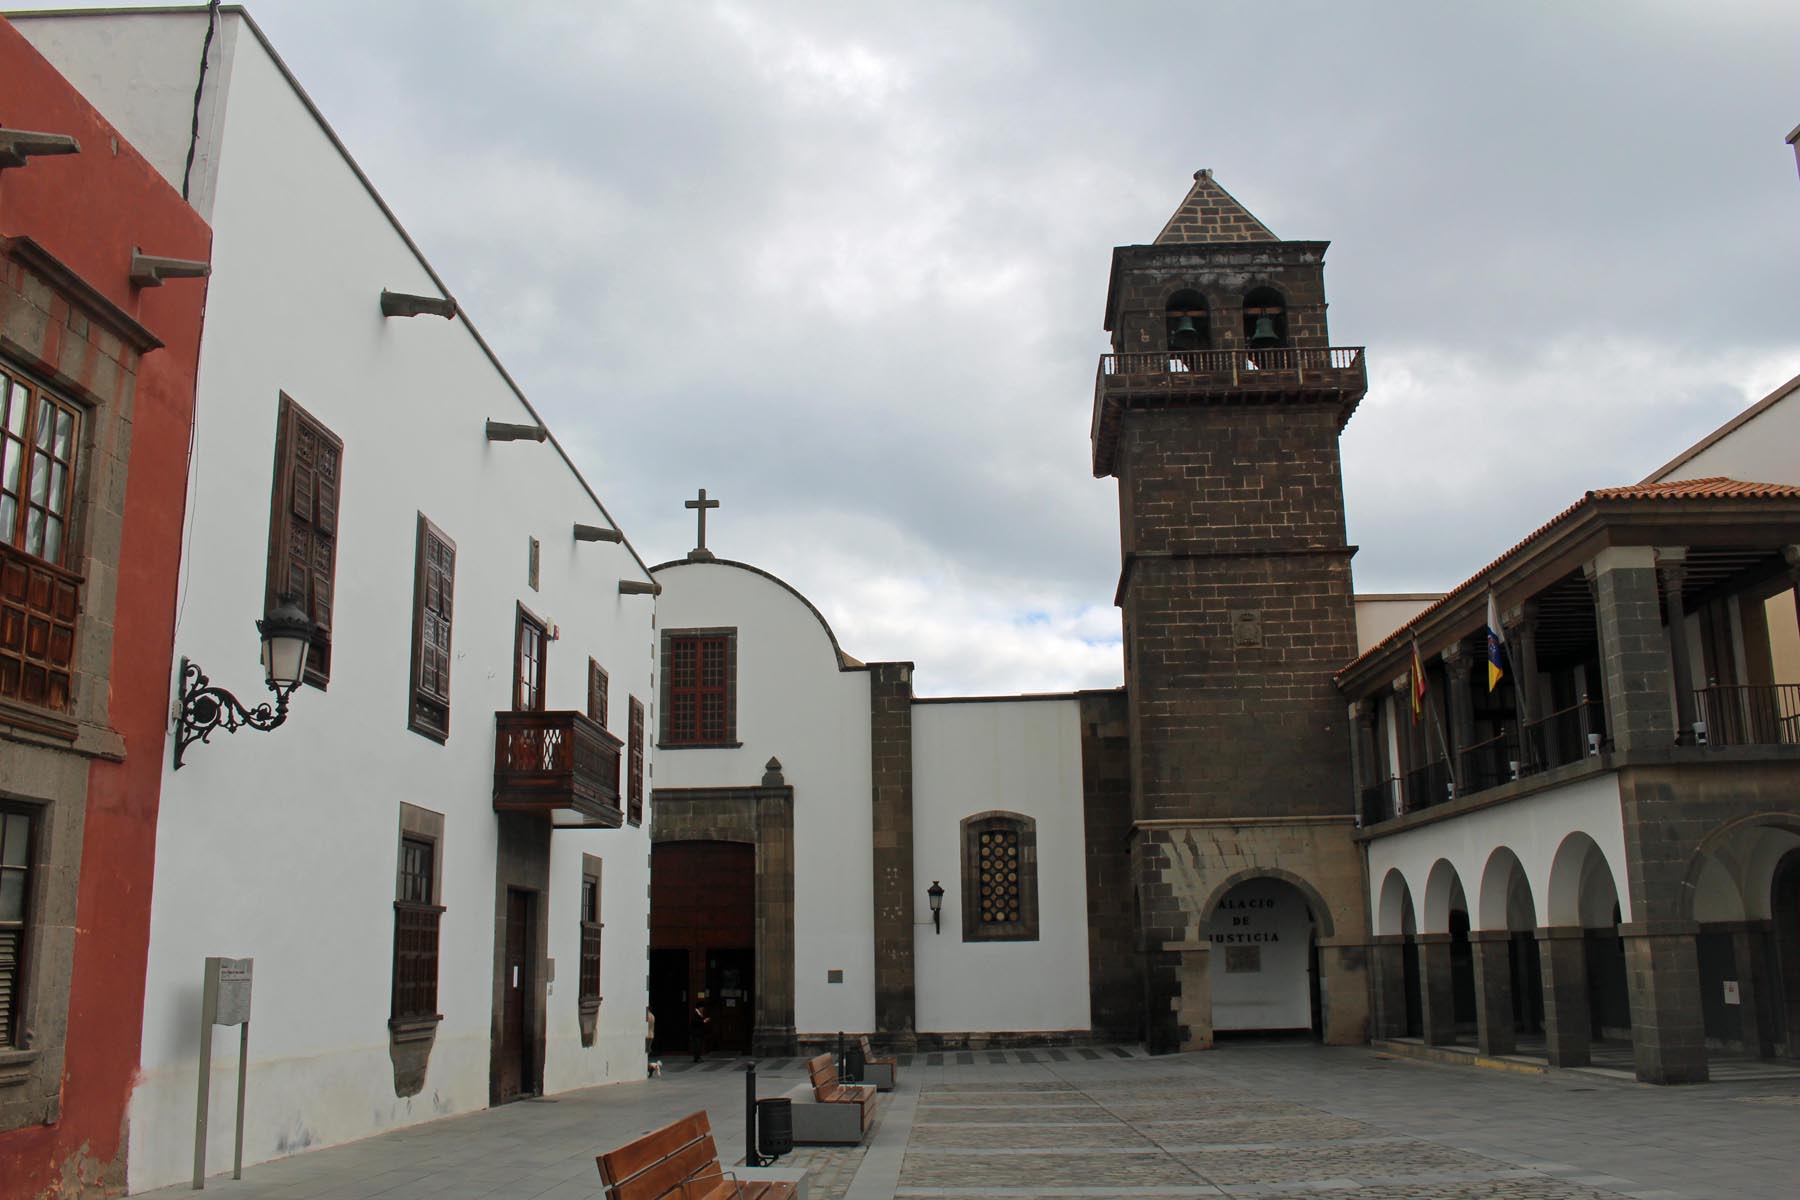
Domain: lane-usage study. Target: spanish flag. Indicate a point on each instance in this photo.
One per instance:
(1495, 640)
(1418, 683)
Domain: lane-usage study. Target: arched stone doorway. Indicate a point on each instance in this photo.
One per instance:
(1509, 982)
(1744, 885)
(1446, 959)
(1582, 955)
(1395, 958)
(1265, 963)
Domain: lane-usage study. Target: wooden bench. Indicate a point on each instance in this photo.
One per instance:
(835, 1113)
(679, 1162)
(882, 1071)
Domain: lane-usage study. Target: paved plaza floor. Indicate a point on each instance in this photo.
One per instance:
(1258, 1120)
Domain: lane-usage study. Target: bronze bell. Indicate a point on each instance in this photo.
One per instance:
(1264, 334)
(1185, 335)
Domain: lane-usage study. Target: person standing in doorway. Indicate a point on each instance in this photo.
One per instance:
(651, 1066)
(697, 1023)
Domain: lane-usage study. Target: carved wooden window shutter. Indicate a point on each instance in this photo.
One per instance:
(303, 526)
(434, 588)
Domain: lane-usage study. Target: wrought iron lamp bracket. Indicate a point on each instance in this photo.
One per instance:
(204, 708)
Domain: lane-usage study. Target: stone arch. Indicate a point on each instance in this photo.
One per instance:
(1443, 888)
(1394, 906)
(1577, 873)
(1737, 848)
(1321, 914)
(1713, 891)
(1501, 881)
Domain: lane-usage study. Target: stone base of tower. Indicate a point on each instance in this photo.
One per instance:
(1251, 925)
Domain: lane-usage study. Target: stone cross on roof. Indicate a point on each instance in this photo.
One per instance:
(700, 553)
(1212, 214)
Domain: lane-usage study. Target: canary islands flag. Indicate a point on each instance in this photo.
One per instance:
(1495, 640)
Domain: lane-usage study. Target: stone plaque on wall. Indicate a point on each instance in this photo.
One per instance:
(1246, 627)
(1243, 960)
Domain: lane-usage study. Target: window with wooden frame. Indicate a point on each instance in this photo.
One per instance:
(416, 915)
(15, 898)
(434, 586)
(634, 810)
(598, 684)
(999, 878)
(40, 443)
(590, 932)
(303, 526)
(531, 643)
(699, 687)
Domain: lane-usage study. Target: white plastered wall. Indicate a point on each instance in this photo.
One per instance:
(282, 846)
(1533, 827)
(795, 703)
(1019, 756)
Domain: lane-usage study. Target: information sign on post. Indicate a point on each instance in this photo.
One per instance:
(224, 1000)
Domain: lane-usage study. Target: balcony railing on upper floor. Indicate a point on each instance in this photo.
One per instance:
(1766, 715)
(1284, 366)
(1565, 736)
(545, 761)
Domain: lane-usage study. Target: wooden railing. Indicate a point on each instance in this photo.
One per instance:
(1427, 785)
(1491, 763)
(1766, 715)
(556, 760)
(1565, 736)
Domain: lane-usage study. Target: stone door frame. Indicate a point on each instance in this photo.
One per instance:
(761, 816)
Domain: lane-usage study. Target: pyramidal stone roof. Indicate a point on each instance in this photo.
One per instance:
(1212, 214)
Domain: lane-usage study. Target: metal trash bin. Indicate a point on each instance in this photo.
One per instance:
(852, 1067)
(775, 1126)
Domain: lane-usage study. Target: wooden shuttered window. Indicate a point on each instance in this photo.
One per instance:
(434, 586)
(634, 810)
(40, 443)
(15, 895)
(590, 940)
(416, 932)
(699, 685)
(598, 685)
(303, 526)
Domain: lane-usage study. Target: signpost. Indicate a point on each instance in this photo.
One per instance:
(224, 1000)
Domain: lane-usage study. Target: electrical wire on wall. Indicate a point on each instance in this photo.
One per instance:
(193, 461)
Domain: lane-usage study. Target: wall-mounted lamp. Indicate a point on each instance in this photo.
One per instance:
(286, 635)
(935, 894)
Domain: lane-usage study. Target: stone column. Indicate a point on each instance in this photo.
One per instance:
(1387, 962)
(1521, 661)
(1437, 990)
(1405, 735)
(1671, 564)
(890, 766)
(1634, 657)
(1364, 761)
(773, 1034)
(1662, 972)
(1493, 990)
(1462, 712)
(1746, 951)
(1193, 1007)
(1562, 959)
(1343, 993)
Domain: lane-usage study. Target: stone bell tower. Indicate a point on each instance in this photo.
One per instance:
(1219, 412)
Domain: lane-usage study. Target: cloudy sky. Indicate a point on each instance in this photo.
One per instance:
(844, 264)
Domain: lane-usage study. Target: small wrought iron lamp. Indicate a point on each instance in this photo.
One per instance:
(935, 894)
(286, 636)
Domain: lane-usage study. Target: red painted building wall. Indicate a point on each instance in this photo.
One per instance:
(89, 211)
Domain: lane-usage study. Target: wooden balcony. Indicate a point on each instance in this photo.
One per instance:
(560, 764)
(1333, 375)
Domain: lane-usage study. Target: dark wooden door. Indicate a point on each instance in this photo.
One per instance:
(516, 1075)
(703, 904)
(731, 999)
(669, 998)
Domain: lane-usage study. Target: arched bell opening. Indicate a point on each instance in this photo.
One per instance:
(1186, 322)
(1265, 319)
(1264, 952)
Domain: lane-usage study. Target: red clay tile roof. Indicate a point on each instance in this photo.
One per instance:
(1714, 487)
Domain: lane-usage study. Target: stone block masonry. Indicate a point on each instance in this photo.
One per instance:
(890, 769)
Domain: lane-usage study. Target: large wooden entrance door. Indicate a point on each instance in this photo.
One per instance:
(703, 906)
(519, 987)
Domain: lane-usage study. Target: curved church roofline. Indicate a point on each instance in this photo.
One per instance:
(845, 661)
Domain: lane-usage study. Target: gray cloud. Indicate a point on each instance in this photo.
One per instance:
(844, 264)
